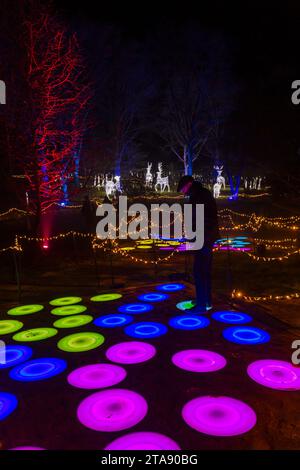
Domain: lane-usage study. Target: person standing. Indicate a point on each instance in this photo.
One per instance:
(202, 267)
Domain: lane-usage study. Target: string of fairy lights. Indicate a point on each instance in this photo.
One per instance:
(237, 294)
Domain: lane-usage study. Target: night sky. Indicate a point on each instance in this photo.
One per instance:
(265, 57)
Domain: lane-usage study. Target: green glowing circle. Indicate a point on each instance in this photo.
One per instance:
(185, 305)
(73, 321)
(79, 342)
(127, 248)
(68, 310)
(9, 326)
(105, 297)
(62, 301)
(144, 247)
(35, 334)
(146, 241)
(25, 309)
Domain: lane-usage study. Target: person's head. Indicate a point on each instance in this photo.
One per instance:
(184, 184)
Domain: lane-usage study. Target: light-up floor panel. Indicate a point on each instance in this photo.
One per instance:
(10, 326)
(80, 342)
(199, 360)
(25, 309)
(112, 410)
(131, 352)
(38, 369)
(246, 335)
(35, 334)
(146, 330)
(279, 375)
(97, 376)
(143, 441)
(219, 416)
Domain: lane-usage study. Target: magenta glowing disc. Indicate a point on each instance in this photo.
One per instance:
(130, 352)
(27, 448)
(96, 376)
(280, 375)
(219, 416)
(199, 360)
(112, 410)
(143, 441)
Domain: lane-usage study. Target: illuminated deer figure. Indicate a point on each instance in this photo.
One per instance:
(220, 178)
(162, 182)
(149, 176)
(109, 186)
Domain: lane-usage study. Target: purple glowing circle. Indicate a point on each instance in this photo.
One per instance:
(130, 352)
(96, 376)
(143, 441)
(27, 448)
(219, 416)
(199, 360)
(280, 375)
(112, 410)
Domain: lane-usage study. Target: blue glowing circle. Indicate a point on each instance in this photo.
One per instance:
(38, 369)
(153, 297)
(15, 355)
(170, 287)
(246, 335)
(232, 317)
(189, 322)
(8, 403)
(135, 308)
(146, 330)
(112, 321)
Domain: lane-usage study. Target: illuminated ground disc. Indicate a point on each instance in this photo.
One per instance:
(199, 360)
(185, 305)
(105, 297)
(145, 330)
(68, 310)
(63, 301)
(35, 334)
(246, 335)
(38, 369)
(232, 317)
(8, 403)
(189, 322)
(143, 441)
(9, 326)
(27, 448)
(25, 309)
(112, 410)
(73, 321)
(113, 321)
(170, 287)
(135, 308)
(144, 247)
(127, 248)
(280, 375)
(145, 242)
(79, 342)
(219, 416)
(97, 376)
(153, 297)
(130, 352)
(15, 355)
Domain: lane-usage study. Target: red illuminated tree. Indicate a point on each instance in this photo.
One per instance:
(59, 99)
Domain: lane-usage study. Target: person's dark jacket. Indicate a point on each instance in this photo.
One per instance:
(200, 195)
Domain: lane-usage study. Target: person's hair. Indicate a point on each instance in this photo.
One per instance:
(183, 181)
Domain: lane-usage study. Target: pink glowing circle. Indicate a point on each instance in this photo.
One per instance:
(199, 360)
(130, 352)
(112, 410)
(219, 416)
(96, 376)
(280, 375)
(143, 441)
(27, 448)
